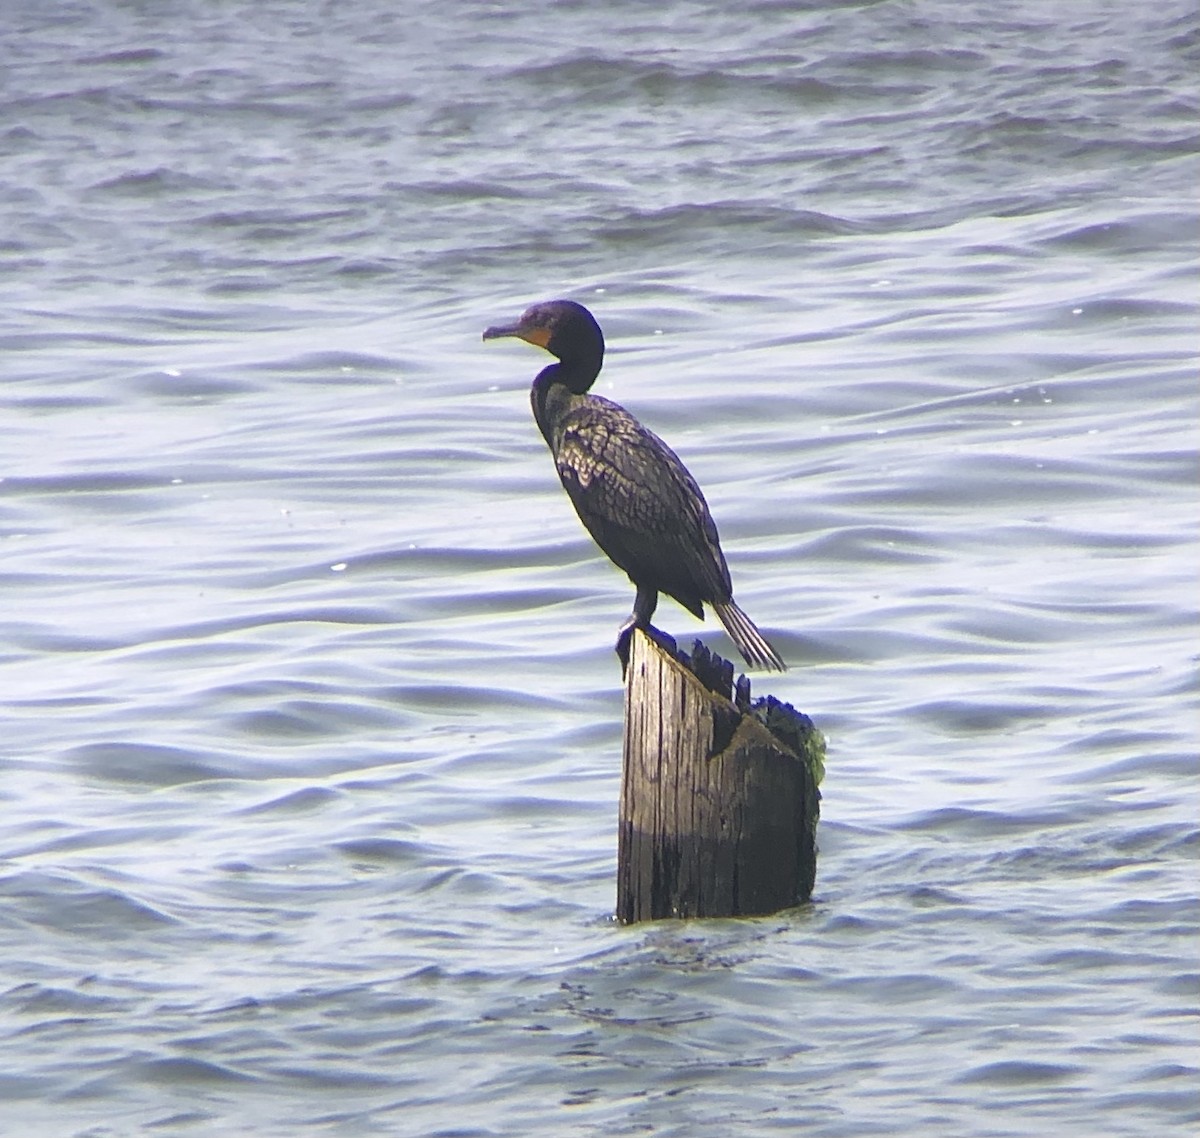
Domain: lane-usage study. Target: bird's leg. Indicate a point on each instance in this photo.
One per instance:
(643, 609)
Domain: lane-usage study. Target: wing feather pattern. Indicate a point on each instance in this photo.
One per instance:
(640, 503)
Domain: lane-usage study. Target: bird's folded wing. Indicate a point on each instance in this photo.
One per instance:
(637, 499)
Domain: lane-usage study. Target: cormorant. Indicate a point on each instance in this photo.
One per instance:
(629, 488)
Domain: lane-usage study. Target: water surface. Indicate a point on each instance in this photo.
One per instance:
(311, 720)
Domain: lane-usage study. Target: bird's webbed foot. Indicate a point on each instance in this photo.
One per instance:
(666, 643)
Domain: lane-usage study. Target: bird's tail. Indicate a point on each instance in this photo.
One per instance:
(751, 643)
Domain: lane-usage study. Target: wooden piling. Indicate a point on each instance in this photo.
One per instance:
(719, 798)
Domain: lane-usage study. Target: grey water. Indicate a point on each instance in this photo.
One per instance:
(309, 716)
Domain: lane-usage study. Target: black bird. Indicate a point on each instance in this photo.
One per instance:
(629, 488)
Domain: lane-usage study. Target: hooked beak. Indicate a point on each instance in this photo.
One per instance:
(498, 331)
(536, 334)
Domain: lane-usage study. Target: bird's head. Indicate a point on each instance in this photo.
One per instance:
(565, 329)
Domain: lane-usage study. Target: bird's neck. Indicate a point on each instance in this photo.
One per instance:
(555, 391)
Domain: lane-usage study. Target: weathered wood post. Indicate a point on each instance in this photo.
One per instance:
(719, 799)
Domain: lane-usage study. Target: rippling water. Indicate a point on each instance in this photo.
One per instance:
(311, 719)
